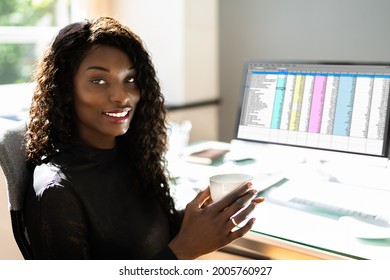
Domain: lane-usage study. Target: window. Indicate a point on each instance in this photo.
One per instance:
(26, 28)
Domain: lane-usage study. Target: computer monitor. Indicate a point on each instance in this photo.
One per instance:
(340, 107)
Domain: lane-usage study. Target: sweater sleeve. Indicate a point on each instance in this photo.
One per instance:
(58, 229)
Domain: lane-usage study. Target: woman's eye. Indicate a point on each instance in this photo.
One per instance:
(98, 82)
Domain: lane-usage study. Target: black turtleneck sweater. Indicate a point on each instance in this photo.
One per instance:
(88, 203)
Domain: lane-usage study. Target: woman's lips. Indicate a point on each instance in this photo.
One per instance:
(118, 116)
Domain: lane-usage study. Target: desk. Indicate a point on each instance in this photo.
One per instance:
(280, 232)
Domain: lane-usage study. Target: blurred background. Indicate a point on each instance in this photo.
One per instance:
(199, 47)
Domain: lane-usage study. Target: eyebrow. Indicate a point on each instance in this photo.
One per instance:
(97, 68)
(131, 68)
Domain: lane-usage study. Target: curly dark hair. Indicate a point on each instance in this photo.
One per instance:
(51, 114)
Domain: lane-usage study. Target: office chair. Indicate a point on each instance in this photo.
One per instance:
(12, 161)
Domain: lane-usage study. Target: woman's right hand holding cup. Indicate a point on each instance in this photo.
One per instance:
(209, 225)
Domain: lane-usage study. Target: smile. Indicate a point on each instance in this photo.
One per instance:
(117, 114)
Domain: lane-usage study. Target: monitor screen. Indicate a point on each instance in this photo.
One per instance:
(338, 107)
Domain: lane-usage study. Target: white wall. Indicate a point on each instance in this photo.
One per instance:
(201, 50)
(346, 30)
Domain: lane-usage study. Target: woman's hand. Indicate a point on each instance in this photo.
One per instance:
(208, 226)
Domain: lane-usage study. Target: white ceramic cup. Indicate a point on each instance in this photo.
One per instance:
(222, 184)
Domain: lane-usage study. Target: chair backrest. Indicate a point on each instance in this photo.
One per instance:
(18, 178)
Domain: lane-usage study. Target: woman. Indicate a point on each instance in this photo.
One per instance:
(96, 139)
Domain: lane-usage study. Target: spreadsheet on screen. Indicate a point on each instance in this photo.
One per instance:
(340, 107)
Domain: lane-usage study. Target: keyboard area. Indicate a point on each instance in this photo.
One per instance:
(339, 211)
(334, 200)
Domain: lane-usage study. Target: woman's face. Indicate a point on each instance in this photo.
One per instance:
(105, 96)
